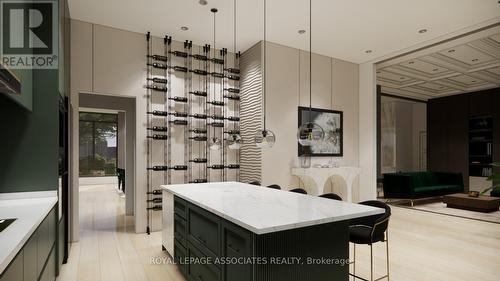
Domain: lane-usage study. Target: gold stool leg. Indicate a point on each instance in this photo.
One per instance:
(354, 263)
(371, 262)
(387, 252)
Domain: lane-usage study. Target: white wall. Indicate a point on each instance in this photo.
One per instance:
(334, 86)
(367, 132)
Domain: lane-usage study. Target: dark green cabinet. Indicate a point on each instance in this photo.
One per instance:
(36, 260)
(219, 250)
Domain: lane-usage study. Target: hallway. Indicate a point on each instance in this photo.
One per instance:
(109, 249)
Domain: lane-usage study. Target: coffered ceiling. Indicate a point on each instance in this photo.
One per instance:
(454, 69)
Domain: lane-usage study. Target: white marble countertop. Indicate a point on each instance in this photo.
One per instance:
(265, 210)
(29, 213)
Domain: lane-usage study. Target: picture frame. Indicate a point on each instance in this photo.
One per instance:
(332, 122)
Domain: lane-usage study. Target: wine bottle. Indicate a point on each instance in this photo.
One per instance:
(216, 167)
(178, 122)
(198, 131)
(233, 118)
(198, 181)
(158, 80)
(233, 77)
(179, 68)
(198, 160)
(232, 97)
(155, 192)
(158, 65)
(199, 57)
(232, 90)
(158, 168)
(179, 99)
(199, 72)
(155, 208)
(158, 137)
(179, 54)
(198, 138)
(216, 103)
(179, 114)
(217, 74)
(217, 117)
(217, 61)
(233, 70)
(158, 57)
(233, 166)
(158, 129)
(199, 93)
(158, 113)
(233, 132)
(157, 88)
(217, 124)
(179, 167)
(155, 200)
(198, 116)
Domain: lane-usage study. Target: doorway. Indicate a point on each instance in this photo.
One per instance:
(104, 150)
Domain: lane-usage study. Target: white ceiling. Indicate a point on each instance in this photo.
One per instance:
(453, 68)
(343, 29)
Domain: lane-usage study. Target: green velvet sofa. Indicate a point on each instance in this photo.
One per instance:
(415, 185)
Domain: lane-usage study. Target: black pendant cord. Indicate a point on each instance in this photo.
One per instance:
(214, 70)
(310, 59)
(148, 96)
(265, 63)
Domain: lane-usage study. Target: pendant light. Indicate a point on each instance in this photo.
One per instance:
(234, 141)
(310, 133)
(264, 138)
(215, 142)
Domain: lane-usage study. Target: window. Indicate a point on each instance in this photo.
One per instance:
(98, 144)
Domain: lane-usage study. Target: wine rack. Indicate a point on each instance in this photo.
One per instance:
(192, 96)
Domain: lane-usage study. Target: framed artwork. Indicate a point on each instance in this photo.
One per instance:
(332, 123)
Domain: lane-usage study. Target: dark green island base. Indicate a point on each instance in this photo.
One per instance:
(210, 248)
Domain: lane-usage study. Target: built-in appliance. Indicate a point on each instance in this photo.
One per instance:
(9, 82)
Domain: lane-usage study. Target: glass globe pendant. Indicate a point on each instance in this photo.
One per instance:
(215, 143)
(265, 139)
(234, 141)
(310, 134)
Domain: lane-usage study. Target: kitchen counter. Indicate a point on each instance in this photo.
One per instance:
(29, 213)
(264, 210)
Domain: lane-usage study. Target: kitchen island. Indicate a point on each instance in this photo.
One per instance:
(234, 232)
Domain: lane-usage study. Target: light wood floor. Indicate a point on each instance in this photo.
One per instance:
(423, 246)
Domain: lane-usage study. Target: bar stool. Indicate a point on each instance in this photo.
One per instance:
(370, 230)
(331, 196)
(298, 190)
(274, 186)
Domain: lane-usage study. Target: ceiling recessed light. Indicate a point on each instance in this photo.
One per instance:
(203, 2)
(301, 31)
(184, 28)
(451, 51)
(474, 60)
(368, 51)
(422, 30)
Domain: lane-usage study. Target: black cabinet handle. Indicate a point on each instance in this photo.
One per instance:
(230, 246)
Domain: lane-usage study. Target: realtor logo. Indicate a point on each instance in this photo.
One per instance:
(29, 37)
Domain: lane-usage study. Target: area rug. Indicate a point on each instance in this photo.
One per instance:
(437, 206)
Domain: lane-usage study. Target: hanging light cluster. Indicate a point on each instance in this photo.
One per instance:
(264, 138)
(310, 133)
